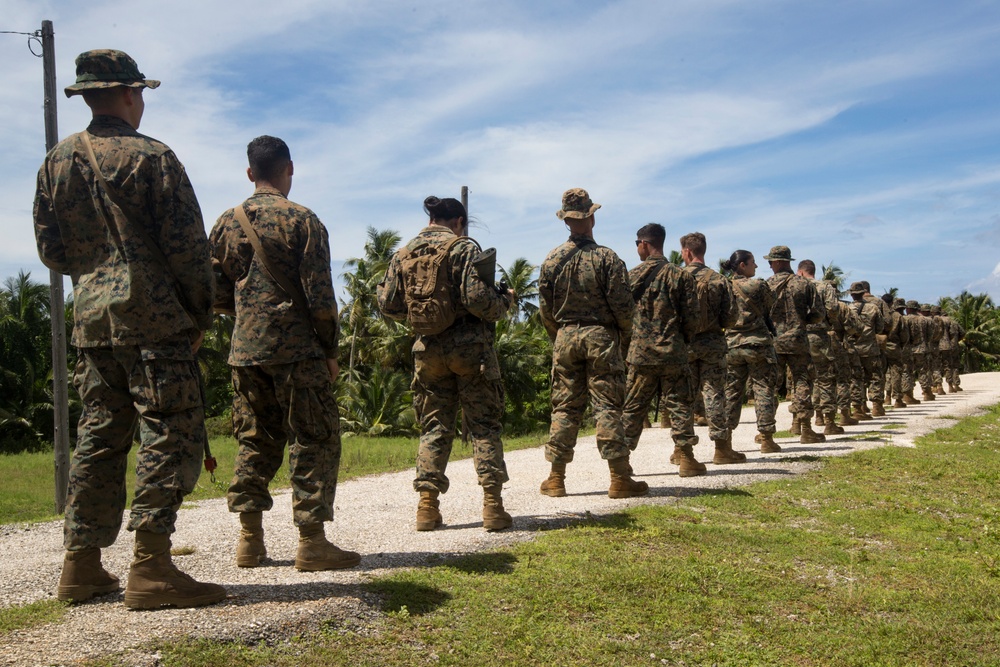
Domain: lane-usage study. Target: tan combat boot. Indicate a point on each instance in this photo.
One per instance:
(83, 576)
(724, 453)
(898, 403)
(929, 395)
(768, 445)
(428, 512)
(494, 515)
(555, 484)
(820, 419)
(877, 409)
(910, 399)
(700, 420)
(846, 419)
(622, 485)
(859, 414)
(688, 465)
(759, 438)
(831, 427)
(250, 550)
(154, 581)
(315, 553)
(675, 456)
(796, 428)
(939, 390)
(809, 436)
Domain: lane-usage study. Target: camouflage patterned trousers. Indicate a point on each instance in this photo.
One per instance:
(922, 371)
(955, 378)
(908, 375)
(894, 375)
(458, 369)
(822, 373)
(158, 387)
(644, 382)
(586, 360)
(799, 391)
(842, 371)
(759, 364)
(867, 378)
(278, 405)
(707, 360)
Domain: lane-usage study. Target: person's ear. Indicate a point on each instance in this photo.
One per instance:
(250, 175)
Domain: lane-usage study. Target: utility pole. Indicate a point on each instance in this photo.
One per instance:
(57, 309)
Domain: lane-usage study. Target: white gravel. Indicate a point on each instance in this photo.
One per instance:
(375, 516)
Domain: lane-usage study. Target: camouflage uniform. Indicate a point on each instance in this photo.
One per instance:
(868, 372)
(283, 393)
(133, 331)
(897, 337)
(666, 318)
(933, 359)
(919, 337)
(796, 305)
(717, 310)
(586, 308)
(957, 333)
(845, 324)
(822, 373)
(943, 349)
(751, 354)
(455, 368)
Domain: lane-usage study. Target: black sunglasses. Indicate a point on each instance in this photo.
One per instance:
(638, 241)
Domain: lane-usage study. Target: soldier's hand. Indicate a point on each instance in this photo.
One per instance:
(334, 368)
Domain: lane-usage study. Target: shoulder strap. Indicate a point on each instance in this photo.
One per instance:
(147, 238)
(565, 260)
(291, 288)
(781, 288)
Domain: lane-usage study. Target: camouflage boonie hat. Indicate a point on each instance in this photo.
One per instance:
(107, 68)
(780, 253)
(857, 288)
(912, 304)
(898, 303)
(925, 306)
(936, 310)
(576, 203)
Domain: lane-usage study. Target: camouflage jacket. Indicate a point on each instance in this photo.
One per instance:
(270, 328)
(666, 313)
(917, 325)
(936, 329)
(871, 317)
(897, 333)
(581, 282)
(828, 294)
(796, 305)
(957, 332)
(754, 299)
(717, 305)
(122, 293)
(471, 295)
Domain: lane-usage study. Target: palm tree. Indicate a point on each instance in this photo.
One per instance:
(981, 321)
(519, 278)
(834, 275)
(362, 307)
(675, 258)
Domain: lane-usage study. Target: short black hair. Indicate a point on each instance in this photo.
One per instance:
(654, 234)
(808, 266)
(268, 157)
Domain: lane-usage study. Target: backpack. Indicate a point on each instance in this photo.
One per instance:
(425, 269)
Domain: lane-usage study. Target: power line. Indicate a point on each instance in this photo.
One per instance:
(32, 37)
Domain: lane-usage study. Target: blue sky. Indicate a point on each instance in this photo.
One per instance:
(865, 134)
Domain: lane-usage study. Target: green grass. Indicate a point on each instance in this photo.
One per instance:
(30, 615)
(28, 491)
(884, 557)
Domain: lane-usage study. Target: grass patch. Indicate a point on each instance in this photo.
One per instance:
(28, 491)
(883, 557)
(784, 434)
(31, 615)
(888, 427)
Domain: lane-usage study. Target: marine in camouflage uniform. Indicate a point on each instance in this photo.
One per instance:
(136, 251)
(956, 334)
(665, 319)
(920, 337)
(707, 349)
(283, 357)
(751, 355)
(935, 330)
(822, 373)
(868, 374)
(907, 371)
(455, 368)
(878, 400)
(586, 308)
(846, 325)
(796, 306)
(943, 349)
(897, 339)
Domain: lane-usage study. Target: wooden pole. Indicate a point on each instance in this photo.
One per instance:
(57, 309)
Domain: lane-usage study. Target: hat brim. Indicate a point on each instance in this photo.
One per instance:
(578, 215)
(78, 88)
(772, 258)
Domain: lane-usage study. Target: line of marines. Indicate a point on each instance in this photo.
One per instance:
(115, 211)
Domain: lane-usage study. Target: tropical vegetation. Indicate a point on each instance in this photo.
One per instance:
(374, 391)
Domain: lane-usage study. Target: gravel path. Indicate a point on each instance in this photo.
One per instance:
(375, 516)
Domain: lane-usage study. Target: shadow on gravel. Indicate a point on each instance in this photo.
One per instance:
(405, 597)
(250, 594)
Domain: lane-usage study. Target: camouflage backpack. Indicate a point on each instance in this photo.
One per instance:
(427, 290)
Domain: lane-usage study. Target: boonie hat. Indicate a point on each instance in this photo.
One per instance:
(936, 310)
(107, 68)
(912, 304)
(576, 203)
(779, 253)
(925, 306)
(898, 302)
(857, 288)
